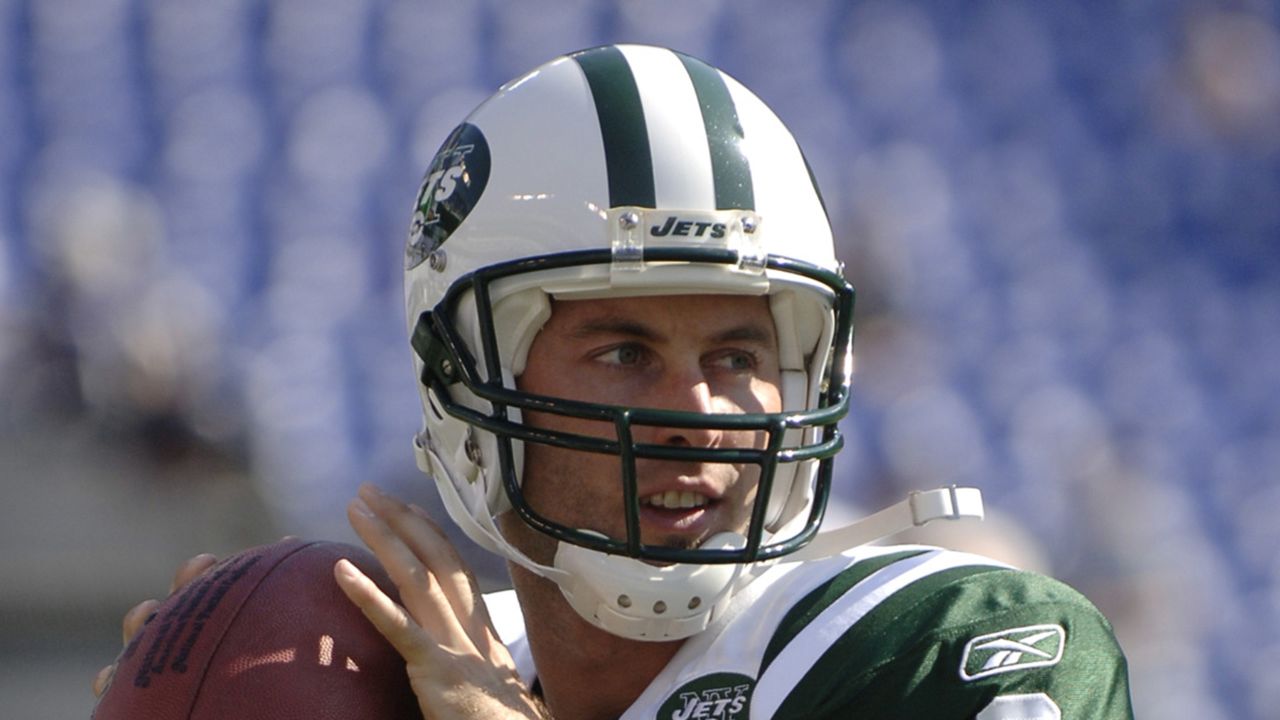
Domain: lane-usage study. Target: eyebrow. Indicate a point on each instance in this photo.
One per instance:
(747, 332)
(614, 326)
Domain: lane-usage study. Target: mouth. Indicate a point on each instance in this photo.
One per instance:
(675, 500)
(685, 509)
(677, 517)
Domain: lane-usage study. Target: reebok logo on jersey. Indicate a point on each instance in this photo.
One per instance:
(719, 696)
(1014, 649)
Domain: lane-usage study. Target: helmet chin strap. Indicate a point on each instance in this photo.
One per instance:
(636, 600)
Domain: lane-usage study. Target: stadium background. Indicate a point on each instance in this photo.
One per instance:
(1062, 219)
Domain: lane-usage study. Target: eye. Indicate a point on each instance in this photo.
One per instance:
(625, 354)
(736, 360)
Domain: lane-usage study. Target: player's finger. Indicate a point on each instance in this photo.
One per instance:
(102, 680)
(430, 545)
(420, 591)
(192, 569)
(392, 620)
(138, 616)
(470, 600)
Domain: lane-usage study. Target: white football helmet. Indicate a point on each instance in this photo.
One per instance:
(620, 171)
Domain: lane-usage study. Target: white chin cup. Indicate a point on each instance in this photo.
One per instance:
(636, 600)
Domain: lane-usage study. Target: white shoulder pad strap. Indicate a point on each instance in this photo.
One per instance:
(949, 503)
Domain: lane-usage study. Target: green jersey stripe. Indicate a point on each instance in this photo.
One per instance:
(883, 626)
(628, 160)
(731, 172)
(808, 608)
(906, 582)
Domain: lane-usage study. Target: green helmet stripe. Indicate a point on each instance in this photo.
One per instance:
(628, 159)
(731, 172)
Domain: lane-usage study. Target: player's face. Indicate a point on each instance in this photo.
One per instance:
(697, 353)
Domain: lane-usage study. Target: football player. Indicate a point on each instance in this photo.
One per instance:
(632, 342)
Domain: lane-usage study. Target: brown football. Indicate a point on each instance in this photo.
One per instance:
(267, 634)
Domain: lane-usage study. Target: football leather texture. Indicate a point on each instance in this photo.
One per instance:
(266, 634)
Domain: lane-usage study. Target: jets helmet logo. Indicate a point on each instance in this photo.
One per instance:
(453, 185)
(719, 696)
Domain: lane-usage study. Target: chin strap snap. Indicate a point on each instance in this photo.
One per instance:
(920, 507)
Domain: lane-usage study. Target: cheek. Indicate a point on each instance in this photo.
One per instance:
(760, 395)
(768, 394)
(570, 425)
(557, 483)
(543, 466)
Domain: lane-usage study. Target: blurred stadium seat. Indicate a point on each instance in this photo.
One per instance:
(1063, 220)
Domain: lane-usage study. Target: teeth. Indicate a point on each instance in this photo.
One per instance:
(675, 499)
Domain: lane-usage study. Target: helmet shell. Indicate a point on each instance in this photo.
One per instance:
(619, 149)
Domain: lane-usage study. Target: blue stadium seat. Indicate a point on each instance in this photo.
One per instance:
(1061, 217)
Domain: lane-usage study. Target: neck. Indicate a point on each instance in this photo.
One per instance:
(585, 672)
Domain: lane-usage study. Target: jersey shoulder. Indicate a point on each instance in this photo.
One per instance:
(924, 632)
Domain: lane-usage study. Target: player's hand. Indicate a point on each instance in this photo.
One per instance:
(457, 665)
(140, 614)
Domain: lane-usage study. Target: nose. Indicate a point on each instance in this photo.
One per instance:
(686, 391)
